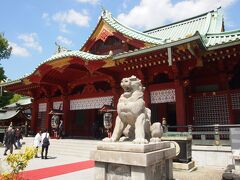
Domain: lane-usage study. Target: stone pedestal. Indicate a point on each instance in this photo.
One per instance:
(128, 161)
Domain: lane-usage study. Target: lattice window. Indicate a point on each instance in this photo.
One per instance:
(211, 110)
(90, 103)
(235, 100)
(163, 96)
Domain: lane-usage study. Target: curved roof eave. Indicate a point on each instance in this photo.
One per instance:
(223, 39)
(130, 32)
(8, 114)
(79, 54)
(196, 36)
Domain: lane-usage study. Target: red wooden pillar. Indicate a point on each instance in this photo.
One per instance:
(34, 116)
(116, 96)
(66, 110)
(180, 103)
(48, 116)
(147, 98)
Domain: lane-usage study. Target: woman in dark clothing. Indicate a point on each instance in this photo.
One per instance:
(45, 143)
(9, 140)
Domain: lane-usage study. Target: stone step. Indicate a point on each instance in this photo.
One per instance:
(72, 147)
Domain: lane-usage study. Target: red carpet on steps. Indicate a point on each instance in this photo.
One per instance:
(56, 170)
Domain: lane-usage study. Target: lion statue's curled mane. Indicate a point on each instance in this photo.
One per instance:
(134, 119)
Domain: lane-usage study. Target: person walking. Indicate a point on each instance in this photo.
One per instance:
(45, 143)
(37, 142)
(9, 140)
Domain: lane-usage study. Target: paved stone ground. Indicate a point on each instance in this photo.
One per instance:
(201, 173)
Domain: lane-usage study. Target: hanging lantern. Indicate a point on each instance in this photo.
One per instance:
(54, 121)
(107, 120)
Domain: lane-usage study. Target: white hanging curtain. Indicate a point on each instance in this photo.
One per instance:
(58, 105)
(42, 107)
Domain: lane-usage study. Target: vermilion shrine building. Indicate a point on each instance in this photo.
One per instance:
(190, 68)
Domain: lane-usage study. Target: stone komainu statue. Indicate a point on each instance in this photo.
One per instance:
(134, 119)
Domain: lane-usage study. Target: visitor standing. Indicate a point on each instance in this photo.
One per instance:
(37, 142)
(60, 129)
(18, 135)
(45, 143)
(9, 140)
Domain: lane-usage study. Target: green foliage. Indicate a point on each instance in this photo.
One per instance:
(2, 75)
(5, 52)
(5, 49)
(15, 98)
(18, 162)
(5, 98)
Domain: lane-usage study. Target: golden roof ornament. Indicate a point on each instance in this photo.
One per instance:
(60, 49)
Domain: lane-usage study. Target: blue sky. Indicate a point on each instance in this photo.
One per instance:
(33, 26)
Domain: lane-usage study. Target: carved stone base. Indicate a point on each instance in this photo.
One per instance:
(128, 161)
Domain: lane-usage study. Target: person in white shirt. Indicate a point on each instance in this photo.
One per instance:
(37, 142)
(45, 143)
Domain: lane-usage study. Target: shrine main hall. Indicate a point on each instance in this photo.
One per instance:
(190, 68)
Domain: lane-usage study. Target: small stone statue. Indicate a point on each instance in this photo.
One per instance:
(133, 118)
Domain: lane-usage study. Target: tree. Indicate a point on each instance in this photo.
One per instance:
(5, 48)
(5, 52)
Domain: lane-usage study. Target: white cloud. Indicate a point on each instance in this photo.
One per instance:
(64, 41)
(18, 50)
(45, 16)
(31, 41)
(153, 13)
(63, 28)
(72, 17)
(88, 1)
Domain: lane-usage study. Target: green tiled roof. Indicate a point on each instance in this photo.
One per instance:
(210, 22)
(22, 102)
(215, 39)
(79, 54)
(112, 22)
(4, 115)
